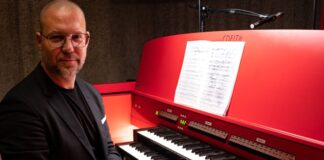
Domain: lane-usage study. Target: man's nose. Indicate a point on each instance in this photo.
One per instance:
(67, 45)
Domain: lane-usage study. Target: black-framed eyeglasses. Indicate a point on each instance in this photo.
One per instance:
(56, 40)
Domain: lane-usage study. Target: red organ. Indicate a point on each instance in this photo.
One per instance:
(276, 110)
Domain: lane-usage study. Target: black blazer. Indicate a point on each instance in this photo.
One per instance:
(36, 124)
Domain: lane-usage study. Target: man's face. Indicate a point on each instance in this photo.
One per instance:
(63, 61)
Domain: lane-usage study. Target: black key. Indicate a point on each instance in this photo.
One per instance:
(159, 157)
(189, 142)
(216, 156)
(225, 156)
(195, 146)
(214, 153)
(151, 153)
(206, 150)
(135, 144)
(143, 149)
(174, 136)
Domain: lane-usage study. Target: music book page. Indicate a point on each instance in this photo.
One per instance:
(208, 75)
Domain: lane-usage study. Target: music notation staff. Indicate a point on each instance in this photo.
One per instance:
(163, 143)
(208, 75)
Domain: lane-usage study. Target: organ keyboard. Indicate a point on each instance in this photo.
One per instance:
(139, 151)
(163, 143)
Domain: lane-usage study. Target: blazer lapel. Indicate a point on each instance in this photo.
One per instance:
(61, 107)
(96, 114)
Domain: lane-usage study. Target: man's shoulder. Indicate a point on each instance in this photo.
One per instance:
(28, 88)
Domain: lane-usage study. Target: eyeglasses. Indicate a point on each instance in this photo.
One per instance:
(56, 40)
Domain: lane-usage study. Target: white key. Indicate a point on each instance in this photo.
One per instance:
(168, 144)
(135, 153)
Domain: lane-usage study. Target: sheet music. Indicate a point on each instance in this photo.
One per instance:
(208, 75)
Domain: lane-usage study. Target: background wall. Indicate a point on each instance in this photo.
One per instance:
(119, 28)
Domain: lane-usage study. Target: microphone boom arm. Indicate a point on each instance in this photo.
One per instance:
(203, 11)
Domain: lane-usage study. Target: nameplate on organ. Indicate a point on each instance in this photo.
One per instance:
(274, 106)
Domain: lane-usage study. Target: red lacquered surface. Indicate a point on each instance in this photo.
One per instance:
(301, 147)
(119, 87)
(117, 100)
(277, 95)
(279, 83)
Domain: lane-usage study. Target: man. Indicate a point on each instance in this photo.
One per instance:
(52, 114)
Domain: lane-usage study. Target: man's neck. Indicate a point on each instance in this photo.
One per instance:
(64, 82)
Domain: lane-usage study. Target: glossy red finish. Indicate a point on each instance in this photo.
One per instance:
(117, 100)
(279, 83)
(301, 147)
(120, 87)
(278, 94)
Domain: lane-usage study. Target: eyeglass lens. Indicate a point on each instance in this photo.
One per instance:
(78, 40)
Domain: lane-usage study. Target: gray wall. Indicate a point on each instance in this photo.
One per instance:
(119, 28)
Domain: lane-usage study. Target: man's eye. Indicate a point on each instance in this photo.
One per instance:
(56, 38)
(77, 37)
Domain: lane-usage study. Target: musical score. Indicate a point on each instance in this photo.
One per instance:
(208, 75)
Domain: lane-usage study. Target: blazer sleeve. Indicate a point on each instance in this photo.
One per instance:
(22, 135)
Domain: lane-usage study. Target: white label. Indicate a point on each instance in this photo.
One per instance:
(208, 123)
(261, 140)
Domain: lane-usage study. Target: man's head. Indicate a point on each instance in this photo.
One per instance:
(63, 39)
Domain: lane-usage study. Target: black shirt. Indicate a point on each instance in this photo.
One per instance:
(81, 110)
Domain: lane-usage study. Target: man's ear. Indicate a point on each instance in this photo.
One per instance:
(89, 37)
(38, 39)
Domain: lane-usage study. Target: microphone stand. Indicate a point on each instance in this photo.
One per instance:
(204, 10)
(202, 15)
(315, 8)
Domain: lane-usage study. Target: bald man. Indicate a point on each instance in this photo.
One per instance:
(52, 113)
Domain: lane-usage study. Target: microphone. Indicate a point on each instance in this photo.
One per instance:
(266, 19)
